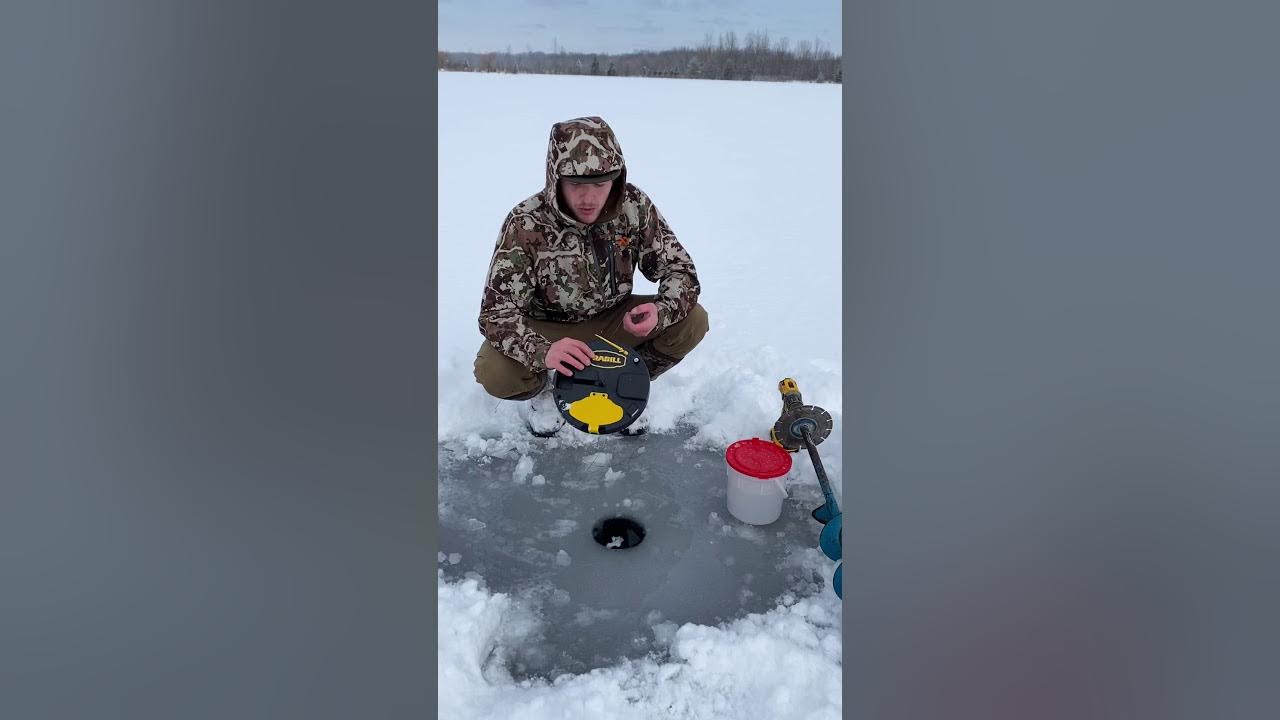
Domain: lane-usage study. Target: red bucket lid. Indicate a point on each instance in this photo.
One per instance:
(758, 458)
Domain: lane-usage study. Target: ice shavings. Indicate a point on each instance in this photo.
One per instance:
(784, 664)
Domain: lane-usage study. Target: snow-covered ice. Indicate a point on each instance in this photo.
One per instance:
(765, 235)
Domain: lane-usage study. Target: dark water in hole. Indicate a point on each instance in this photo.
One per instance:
(618, 532)
(600, 605)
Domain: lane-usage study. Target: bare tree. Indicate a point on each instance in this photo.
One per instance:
(755, 57)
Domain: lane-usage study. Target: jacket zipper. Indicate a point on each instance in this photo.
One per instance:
(613, 275)
(607, 261)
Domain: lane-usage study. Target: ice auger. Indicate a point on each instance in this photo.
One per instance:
(805, 426)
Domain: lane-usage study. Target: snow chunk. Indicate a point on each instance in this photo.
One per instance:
(563, 559)
(563, 528)
(523, 468)
(600, 459)
(586, 616)
(538, 480)
(663, 630)
(455, 558)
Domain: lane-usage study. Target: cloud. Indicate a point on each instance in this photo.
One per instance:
(641, 29)
(682, 5)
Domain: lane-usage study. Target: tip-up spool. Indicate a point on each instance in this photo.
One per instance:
(607, 395)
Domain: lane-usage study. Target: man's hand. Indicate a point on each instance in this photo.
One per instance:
(566, 354)
(641, 319)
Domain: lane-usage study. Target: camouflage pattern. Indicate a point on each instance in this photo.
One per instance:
(549, 266)
(585, 146)
(655, 360)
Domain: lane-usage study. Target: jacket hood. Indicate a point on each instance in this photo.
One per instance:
(584, 146)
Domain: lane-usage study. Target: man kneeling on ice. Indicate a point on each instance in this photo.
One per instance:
(562, 270)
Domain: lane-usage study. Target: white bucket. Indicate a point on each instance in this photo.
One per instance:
(755, 470)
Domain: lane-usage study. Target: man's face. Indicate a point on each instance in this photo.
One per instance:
(586, 200)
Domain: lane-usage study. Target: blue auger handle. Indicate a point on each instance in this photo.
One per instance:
(830, 516)
(831, 537)
(829, 541)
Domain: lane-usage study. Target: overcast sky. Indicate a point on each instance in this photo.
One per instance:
(626, 25)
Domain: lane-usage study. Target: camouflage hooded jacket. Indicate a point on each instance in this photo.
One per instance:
(549, 266)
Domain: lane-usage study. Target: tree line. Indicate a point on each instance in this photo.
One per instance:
(755, 57)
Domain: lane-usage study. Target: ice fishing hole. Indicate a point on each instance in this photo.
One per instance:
(618, 532)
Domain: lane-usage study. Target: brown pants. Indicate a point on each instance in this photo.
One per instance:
(505, 378)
